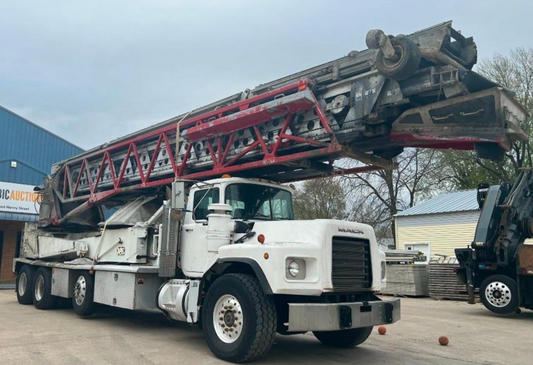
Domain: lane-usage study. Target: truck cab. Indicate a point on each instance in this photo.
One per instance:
(318, 275)
(317, 256)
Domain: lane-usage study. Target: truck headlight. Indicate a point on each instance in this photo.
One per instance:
(294, 269)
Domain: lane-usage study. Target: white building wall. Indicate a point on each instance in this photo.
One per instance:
(443, 231)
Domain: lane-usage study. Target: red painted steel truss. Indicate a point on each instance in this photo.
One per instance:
(225, 121)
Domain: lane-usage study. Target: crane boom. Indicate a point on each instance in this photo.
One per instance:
(405, 91)
(499, 247)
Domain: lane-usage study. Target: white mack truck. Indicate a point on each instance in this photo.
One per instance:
(154, 220)
(236, 261)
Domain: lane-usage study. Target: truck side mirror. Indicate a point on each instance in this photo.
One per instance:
(242, 227)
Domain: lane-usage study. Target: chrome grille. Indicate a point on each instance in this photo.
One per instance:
(351, 267)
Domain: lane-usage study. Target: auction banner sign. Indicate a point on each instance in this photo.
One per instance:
(19, 198)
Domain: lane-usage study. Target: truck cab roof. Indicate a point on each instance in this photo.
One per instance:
(242, 180)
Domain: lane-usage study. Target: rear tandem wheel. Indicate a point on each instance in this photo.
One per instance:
(83, 294)
(24, 284)
(42, 289)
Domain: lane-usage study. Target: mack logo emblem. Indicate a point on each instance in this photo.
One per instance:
(349, 230)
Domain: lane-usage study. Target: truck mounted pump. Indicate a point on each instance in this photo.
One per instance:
(226, 252)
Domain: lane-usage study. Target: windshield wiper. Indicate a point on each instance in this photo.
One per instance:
(259, 216)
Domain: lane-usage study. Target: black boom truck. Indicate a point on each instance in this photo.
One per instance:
(499, 262)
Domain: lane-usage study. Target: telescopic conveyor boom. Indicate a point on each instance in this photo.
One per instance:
(405, 91)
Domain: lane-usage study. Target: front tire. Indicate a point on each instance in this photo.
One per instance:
(238, 318)
(24, 284)
(344, 338)
(42, 289)
(83, 294)
(499, 294)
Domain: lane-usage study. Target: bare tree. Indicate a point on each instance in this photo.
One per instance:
(366, 209)
(320, 199)
(378, 195)
(515, 72)
(466, 170)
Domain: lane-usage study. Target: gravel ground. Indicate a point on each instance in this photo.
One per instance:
(112, 336)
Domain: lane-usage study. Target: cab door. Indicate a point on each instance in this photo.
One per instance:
(195, 259)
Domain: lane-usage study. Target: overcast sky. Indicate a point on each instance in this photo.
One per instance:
(96, 70)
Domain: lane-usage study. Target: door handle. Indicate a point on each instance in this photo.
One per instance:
(189, 229)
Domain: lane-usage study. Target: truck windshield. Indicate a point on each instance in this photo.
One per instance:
(250, 201)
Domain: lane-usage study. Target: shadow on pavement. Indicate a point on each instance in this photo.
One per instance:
(301, 348)
(526, 315)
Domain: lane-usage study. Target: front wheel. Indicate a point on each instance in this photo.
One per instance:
(499, 294)
(238, 318)
(344, 338)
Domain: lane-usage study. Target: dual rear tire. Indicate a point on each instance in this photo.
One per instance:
(24, 284)
(42, 289)
(34, 285)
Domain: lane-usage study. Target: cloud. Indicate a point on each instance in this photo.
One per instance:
(92, 72)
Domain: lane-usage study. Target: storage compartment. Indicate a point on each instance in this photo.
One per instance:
(126, 290)
(62, 283)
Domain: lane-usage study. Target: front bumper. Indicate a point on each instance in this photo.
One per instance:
(341, 316)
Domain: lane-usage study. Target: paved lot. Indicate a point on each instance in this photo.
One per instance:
(29, 336)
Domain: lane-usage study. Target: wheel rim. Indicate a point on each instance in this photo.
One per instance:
(228, 318)
(39, 288)
(80, 289)
(23, 284)
(498, 294)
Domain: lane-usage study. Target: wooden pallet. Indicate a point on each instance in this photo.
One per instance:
(443, 282)
(406, 280)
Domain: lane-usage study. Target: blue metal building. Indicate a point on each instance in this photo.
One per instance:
(27, 153)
